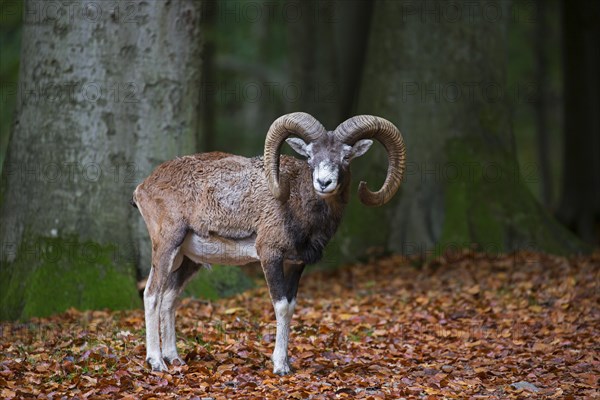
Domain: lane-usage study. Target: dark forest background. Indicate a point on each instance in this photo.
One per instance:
(498, 102)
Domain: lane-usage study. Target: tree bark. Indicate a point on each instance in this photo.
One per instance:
(107, 91)
(438, 71)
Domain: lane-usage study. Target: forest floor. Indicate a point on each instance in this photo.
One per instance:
(468, 325)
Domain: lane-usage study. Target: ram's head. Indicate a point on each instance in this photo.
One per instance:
(329, 153)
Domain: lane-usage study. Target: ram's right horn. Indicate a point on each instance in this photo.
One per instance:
(382, 130)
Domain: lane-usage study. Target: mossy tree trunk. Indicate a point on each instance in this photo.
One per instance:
(439, 73)
(107, 91)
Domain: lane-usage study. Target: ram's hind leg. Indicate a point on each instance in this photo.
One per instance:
(162, 264)
(176, 282)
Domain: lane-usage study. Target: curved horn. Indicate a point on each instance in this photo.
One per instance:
(299, 124)
(371, 127)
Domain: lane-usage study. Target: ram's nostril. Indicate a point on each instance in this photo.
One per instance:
(324, 184)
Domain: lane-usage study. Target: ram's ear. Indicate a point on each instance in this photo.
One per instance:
(299, 146)
(360, 148)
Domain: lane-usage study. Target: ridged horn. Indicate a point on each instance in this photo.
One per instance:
(382, 130)
(300, 124)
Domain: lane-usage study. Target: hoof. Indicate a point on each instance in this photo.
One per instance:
(157, 365)
(175, 361)
(283, 370)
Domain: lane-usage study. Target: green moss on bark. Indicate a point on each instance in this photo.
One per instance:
(50, 275)
(488, 205)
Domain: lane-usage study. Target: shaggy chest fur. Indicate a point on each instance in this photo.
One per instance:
(311, 236)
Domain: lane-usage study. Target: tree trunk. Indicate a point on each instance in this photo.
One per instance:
(352, 23)
(580, 199)
(107, 91)
(541, 102)
(206, 109)
(438, 71)
(313, 63)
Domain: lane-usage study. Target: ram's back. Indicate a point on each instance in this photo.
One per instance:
(211, 194)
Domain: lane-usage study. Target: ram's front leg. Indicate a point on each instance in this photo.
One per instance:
(283, 288)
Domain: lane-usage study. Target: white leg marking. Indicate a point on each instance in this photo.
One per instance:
(167, 326)
(284, 311)
(151, 311)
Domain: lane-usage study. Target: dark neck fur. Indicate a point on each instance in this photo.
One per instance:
(320, 218)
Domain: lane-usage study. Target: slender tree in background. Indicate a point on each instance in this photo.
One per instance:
(541, 102)
(107, 90)
(439, 74)
(352, 24)
(580, 199)
(313, 61)
(326, 54)
(206, 106)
